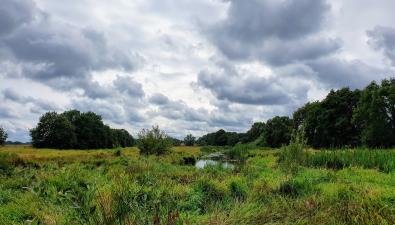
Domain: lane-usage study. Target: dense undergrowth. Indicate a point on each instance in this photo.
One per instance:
(126, 188)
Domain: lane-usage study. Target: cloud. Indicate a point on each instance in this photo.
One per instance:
(38, 106)
(129, 87)
(60, 54)
(383, 39)
(337, 73)
(248, 87)
(159, 99)
(278, 32)
(15, 13)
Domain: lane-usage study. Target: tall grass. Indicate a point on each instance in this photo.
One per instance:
(383, 160)
(136, 189)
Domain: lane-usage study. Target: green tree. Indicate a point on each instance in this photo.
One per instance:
(3, 136)
(73, 129)
(189, 140)
(306, 118)
(153, 141)
(254, 132)
(53, 131)
(91, 132)
(277, 133)
(374, 115)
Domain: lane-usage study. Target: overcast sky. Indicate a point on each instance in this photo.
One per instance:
(189, 66)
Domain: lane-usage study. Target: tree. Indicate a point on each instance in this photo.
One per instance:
(277, 132)
(73, 129)
(307, 118)
(189, 140)
(122, 138)
(374, 115)
(3, 136)
(53, 131)
(254, 132)
(91, 132)
(153, 141)
(329, 123)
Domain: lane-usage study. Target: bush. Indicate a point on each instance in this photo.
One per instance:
(294, 154)
(153, 142)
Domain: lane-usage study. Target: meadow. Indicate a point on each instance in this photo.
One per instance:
(120, 186)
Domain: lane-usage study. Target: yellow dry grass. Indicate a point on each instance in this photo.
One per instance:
(29, 153)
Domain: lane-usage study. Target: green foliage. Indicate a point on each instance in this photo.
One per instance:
(3, 136)
(153, 142)
(73, 129)
(375, 115)
(384, 160)
(238, 189)
(211, 149)
(220, 138)
(254, 132)
(189, 140)
(348, 118)
(175, 141)
(211, 193)
(277, 132)
(54, 131)
(8, 161)
(329, 123)
(239, 151)
(294, 155)
(158, 190)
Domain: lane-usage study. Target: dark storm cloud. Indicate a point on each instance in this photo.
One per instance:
(14, 13)
(383, 38)
(275, 31)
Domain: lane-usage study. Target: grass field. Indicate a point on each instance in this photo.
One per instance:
(121, 187)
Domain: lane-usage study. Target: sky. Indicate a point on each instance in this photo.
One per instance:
(188, 66)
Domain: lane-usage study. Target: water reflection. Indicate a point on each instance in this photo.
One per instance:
(209, 162)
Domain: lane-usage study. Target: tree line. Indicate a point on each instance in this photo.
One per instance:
(345, 118)
(77, 130)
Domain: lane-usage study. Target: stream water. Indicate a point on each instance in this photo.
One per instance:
(213, 160)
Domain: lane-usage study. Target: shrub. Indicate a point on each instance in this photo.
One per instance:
(294, 154)
(153, 142)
